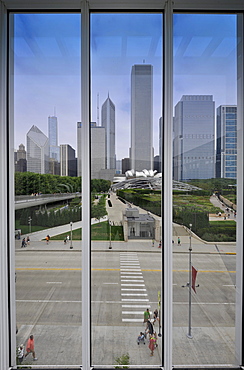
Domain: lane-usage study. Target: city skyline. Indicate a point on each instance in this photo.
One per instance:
(194, 143)
(50, 72)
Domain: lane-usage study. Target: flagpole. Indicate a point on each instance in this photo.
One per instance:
(189, 286)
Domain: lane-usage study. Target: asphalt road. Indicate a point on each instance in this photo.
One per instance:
(124, 283)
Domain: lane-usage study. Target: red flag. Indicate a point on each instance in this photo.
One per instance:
(193, 278)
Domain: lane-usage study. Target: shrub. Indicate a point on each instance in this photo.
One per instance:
(122, 360)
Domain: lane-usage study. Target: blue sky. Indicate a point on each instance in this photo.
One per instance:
(47, 66)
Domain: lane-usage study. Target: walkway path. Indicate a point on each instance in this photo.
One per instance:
(217, 203)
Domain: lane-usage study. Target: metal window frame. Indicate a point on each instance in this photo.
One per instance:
(7, 286)
(4, 261)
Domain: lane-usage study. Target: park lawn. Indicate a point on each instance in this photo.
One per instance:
(99, 231)
(225, 223)
(25, 229)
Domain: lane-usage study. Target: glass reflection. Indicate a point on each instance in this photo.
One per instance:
(126, 76)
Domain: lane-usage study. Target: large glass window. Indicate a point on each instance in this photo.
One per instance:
(126, 75)
(46, 75)
(204, 229)
(127, 269)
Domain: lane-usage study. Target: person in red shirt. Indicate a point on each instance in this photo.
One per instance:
(152, 343)
(30, 347)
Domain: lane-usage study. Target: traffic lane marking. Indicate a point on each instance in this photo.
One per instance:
(104, 269)
(119, 302)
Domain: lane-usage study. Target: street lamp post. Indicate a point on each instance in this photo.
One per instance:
(29, 222)
(110, 245)
(189, 286)
(71, 244)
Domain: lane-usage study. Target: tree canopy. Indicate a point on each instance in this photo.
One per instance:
(27, 183)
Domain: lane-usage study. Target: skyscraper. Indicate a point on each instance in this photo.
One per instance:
(53, 138)
(97, 149)
(67, 161)
(37, 151)
(193, 145)
(141, 151)
(79, 149)
(98, 152)
(21, 163)
(226, 151)
(160, 144)
(108, 121)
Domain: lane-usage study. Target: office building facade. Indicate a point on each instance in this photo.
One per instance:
(20, 160)
(126, 166)
(193, 146)
(160, 144)
(141, 151)
(37, 151)
(79, 148)
(67, 160)
(98, 149)
(226, 137)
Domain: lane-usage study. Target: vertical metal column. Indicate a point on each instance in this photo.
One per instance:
(86, 219)
(167, 180)
(11, 188)
(4, 268)
(240, 196)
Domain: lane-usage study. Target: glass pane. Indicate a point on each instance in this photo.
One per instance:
(204, 191)
(126, 75)
(46, 74)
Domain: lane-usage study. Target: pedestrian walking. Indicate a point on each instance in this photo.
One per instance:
(179, 241)
(160, 244)
(65, 240)
(146, 315)
(28, 240)
(23, 243)
(152, 343)
(155, 316)
(30, 347)
(20, 354)
(47, 239)
(149, 328)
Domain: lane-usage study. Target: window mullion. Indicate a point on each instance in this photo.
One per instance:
(86, 241)
(239, 241)
(4, 301)
(167, 181)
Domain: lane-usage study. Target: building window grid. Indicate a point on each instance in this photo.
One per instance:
(5, 333)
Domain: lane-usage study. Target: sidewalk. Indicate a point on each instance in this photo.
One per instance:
(38, 243)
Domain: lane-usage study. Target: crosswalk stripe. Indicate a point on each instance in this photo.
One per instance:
(135, 289)
(134, 294)
(136, 306)
(134, 300)
(132, 285)
(132, 281)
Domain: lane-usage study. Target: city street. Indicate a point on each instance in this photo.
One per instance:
(125, 281)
